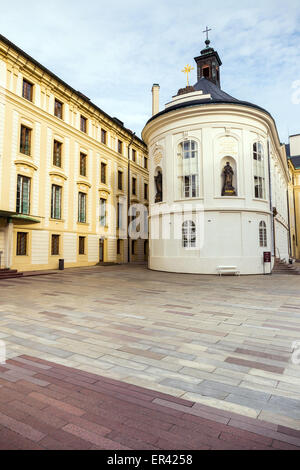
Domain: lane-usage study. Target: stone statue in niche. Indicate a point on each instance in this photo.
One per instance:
(228, 189)
(158, 183)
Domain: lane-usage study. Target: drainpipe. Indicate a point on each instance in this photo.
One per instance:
(271, 202)
(289, 224)
(129, 197)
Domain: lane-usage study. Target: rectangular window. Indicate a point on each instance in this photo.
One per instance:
(120, 180)
(83, 124)
(55, 245)
(22, 244)
(103, 172)
(133, 247)
(190, 186)
(145, 247)
(133, 155)
(119, 215)
(134, 186)
(259, 171)
(146, 162)
(133, 218)
(118, 246)
(27, 92)
(259, 187)
(83, 159)
(145, 191)
(57, 150)
(103, 212)
(25, 140)
(23, 195)
(120, 146)
(103, 136)
(58, 109)
(56, 202)
(81, 249)
(82, 207)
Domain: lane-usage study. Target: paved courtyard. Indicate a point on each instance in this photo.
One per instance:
(220, 346)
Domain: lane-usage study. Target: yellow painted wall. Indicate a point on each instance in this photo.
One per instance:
(39, 116)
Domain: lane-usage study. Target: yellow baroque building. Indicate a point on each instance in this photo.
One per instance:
(293, 154)
(66, 168)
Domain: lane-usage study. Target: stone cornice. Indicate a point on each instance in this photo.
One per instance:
(225, 110)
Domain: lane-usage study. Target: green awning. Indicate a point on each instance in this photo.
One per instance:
(26, 218)
(29, 219)
(7, 214)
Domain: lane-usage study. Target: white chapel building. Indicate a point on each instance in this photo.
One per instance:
(218, 180)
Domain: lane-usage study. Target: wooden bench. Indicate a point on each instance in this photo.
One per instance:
(228, 270)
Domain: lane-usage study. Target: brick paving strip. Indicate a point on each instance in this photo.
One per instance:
(44, 405)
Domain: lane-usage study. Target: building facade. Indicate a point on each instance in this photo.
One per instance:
(293, 155)
(66, 168)
(218, 181)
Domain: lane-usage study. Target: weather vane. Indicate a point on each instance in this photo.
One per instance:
(187, 69)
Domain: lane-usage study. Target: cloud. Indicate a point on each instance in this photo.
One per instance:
(114, 51)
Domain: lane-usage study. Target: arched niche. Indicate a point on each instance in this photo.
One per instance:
(232, 162)
(158, 184)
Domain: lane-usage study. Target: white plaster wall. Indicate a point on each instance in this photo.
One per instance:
(48, 169)
(295, 145)
(231, 224)
(2, 73)
(70, 247)
(111, 249)
(93, 248)
(36, 175)
(2, 248)
(281, 237)
(66, 165)
(39, 247)
(2, 127)
(14, 152)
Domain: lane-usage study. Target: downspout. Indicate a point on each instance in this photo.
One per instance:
(289, 224)
(271, 203)
(128, 198)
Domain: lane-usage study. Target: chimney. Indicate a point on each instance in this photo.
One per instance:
(155, 98)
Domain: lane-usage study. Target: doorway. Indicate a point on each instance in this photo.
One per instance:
(101, 250)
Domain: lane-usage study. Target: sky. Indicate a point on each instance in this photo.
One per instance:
(114, 51)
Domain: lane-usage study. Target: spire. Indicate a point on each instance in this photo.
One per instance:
(209, 62)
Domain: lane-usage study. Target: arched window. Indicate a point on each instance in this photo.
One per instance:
(189, 234)
(188, 169)
(262, 234)
(259, 171)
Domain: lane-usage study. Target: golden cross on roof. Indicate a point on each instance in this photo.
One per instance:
(187, 69)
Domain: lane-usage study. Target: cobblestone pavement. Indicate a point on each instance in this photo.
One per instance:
(223, 342)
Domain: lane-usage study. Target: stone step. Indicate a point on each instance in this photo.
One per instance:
(9, 274)
(281, 267)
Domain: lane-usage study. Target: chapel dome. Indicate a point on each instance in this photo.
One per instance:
(217, 96)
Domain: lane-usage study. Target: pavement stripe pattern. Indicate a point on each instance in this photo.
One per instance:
(51, 406)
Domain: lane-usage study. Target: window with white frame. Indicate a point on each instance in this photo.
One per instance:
(103, 212)
(82, 207)
(189, 234)
(262, 234)
(55, 202)
(259, 171)
(188, 172)
(23, 195)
